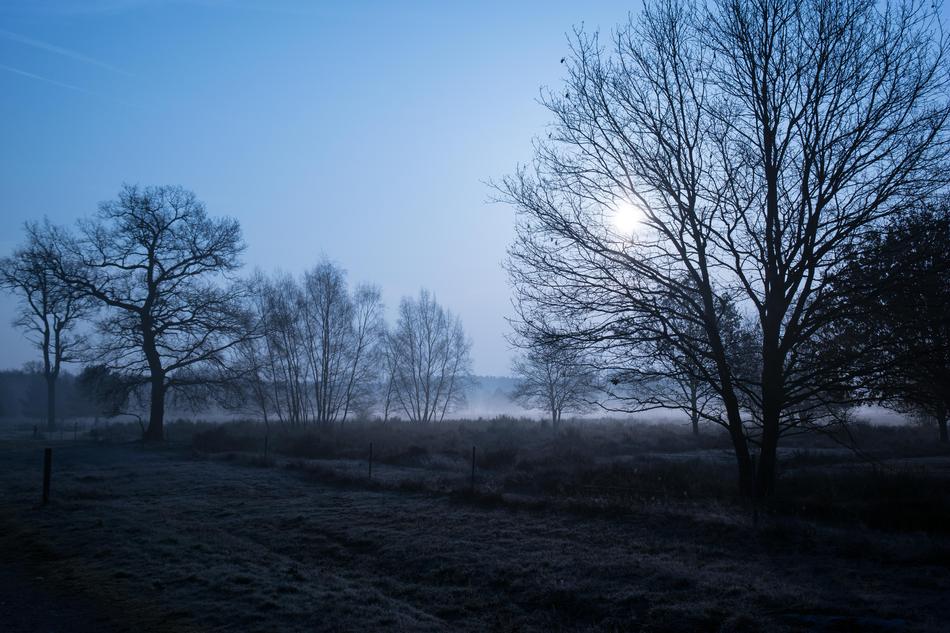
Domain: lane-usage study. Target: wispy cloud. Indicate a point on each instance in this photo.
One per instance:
(96, 7)
(59, 50)
(24, 73)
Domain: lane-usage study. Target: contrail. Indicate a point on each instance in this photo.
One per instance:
(59, 50)
(45, 79)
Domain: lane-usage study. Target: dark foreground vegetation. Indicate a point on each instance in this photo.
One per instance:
(605, 526)
(894, 481)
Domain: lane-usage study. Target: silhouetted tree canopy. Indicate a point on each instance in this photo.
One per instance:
(900, 291)
(759, 142)
(158, 265)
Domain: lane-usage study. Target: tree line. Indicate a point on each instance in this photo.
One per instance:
(23, 394)
(155, 278)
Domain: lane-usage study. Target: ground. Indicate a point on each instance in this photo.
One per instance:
(168, 540)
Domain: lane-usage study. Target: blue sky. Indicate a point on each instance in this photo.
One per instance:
(363, 131)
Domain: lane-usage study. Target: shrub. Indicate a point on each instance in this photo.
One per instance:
(219, 439)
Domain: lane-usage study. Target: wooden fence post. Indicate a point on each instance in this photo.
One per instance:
(473, 469)
(755, 496)
(47, 468)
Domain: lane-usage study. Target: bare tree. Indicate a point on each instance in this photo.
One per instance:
(279, 307)
(156, 261)
(758, 140)
(388, 387)
(328, 318)
(318, 353)
(340, 338)
(554, 377)
(248, 390)
(49, 309)
(251, 362)
(429, 357)
(364, 350)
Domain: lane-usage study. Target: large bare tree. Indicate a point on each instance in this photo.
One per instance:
(160, 266)
(48, 309)
(758, 139)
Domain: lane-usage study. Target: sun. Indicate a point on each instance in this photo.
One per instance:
(626, 218)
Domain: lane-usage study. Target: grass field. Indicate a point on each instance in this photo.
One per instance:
(207, 535)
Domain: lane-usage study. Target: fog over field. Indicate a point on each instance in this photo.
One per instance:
(419, 316)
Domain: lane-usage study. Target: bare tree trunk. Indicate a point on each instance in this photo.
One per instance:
(694, 406)
(768, 457)
(740, 442)
(743, 459)
(51, 402)
(772, 405)
(156, 415)
(737, 433)
(388, 401)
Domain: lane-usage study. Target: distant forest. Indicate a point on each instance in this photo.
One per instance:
(23, 396)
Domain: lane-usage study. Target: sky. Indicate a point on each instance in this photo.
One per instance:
(364, 132)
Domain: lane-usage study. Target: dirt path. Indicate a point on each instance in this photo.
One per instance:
(212, 546)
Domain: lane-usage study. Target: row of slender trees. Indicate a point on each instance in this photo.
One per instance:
(323, 352)
(155, 280)
(770, 146)
(317, 353)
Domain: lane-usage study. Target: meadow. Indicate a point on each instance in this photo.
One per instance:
(595, 526)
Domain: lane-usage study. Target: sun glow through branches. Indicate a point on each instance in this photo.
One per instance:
(626, 218)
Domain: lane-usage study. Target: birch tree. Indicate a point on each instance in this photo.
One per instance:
(430, 359)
